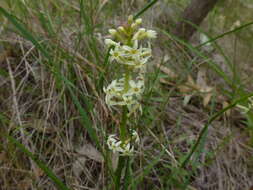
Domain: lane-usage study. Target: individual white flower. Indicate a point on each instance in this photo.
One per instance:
(128, 99)
(126, 149)
(151, 34)
(123, 148)
(110, 42)
(131, 51)
(118, 54)
(115, 86)
(143, 33)
(139, 63)
(114, 92)
(136, 87)
(112, 143)
(115, 54)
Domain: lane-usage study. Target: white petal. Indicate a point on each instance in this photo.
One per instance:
(110, 42)
(151, 34)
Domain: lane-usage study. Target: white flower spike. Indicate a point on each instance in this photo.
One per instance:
(131, 53)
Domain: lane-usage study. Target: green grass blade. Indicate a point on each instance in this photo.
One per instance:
(60, 185)
(85, 119)
(24, 32)
(207, 125)
(214, 66)
(149, 5)
(46, 23)
(147, 170)
(86, 15)
(226, 33)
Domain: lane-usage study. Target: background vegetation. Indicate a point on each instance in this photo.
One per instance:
(54, 121)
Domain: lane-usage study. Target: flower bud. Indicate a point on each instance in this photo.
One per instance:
(130, 19)
(121, 29)
(112, 32)
(138, 21)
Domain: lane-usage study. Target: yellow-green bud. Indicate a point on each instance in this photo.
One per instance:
(113, 32)
(130, 19)
(138, 21)
(134, 26)
(121, 29)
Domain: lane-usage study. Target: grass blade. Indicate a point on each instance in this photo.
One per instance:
(85, 119)
(40, 163)
(226, 33)
(147, 169)
(214, 66)
(24, 32)
(204, 130)
(149, 5)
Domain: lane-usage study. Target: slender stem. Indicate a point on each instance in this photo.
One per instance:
(118, 172)
(123, 129)
(127, 176)
(127, 79)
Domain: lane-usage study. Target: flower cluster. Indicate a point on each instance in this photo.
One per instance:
(116, 94)
(123, 147)
(134, 56)
(128, 50)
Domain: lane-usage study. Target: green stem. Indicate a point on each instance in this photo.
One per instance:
(127, 79)
(119, 170)
(127, 177)
(123, 135)
(123, 129)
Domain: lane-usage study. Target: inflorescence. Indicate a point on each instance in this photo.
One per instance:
(128, 50)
